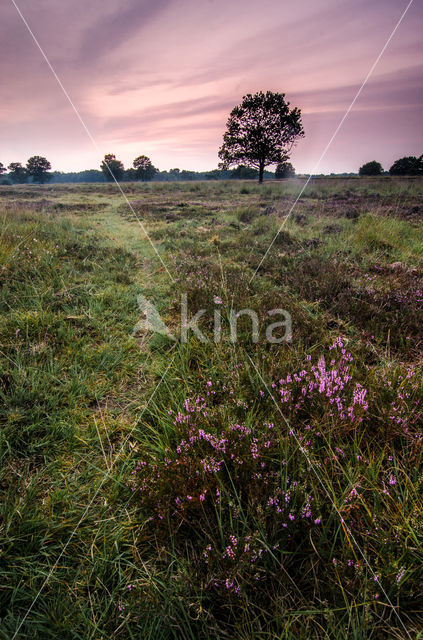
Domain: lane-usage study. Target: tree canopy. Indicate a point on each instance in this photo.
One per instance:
(144, 168)
(17, 173)
(2, 168)
(260, 131)
(37, 168)
(112, 168)
(407, 166)
(284, 170)
(372, 168)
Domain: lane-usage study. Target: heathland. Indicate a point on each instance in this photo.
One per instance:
(153, 488)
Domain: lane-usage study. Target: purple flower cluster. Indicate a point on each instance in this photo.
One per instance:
(226, 468)
(217, 470)
(330, 387)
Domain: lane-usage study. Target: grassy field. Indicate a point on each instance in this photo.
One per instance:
(157, 489)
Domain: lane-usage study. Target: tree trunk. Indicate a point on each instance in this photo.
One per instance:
(261, 169)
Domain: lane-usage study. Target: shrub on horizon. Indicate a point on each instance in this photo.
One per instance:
(372, 168)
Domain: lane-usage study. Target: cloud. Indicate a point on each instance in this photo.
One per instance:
(391, 91)
(113, 30)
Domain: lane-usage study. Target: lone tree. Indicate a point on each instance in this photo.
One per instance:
(17, 173)
(260, 131)
(372, 168)
(2, 168)
(112, 168)
(144, 168)
(407, 166)
(284, 170)
(37, 168)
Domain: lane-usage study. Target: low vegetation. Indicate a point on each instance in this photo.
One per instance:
(159, 489)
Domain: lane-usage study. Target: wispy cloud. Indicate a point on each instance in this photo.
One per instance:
(113, 30)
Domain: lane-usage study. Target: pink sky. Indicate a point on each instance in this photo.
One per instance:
(159, 77)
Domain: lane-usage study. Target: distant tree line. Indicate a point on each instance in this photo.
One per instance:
(18, 175)
(407, 166)
(89, 175)
(37, 170)
(143, 170)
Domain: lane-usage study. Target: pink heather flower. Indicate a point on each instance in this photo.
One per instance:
(392, 479)
(317, 521)
(209, 383)
(400, 575)
(261, 393)
(217, 300)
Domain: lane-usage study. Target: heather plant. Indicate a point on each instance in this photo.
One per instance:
(243, 497)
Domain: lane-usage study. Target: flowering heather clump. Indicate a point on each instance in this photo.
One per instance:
(225, 471)
(324, 389)
(328, 394)
(235, 492)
